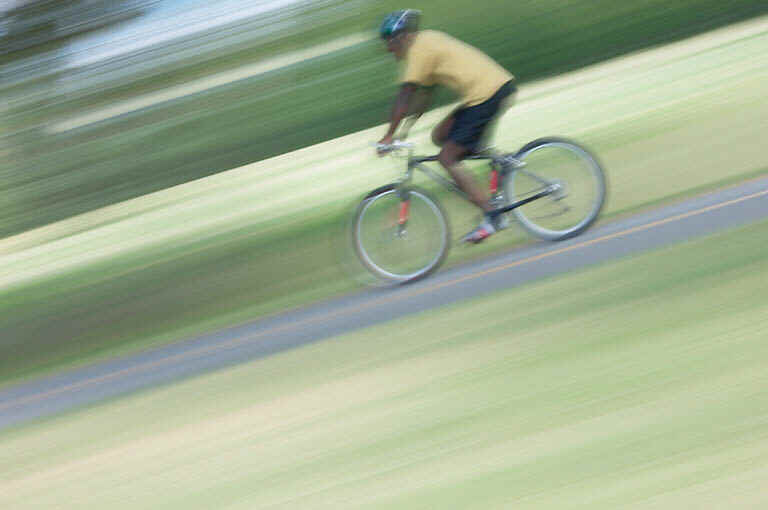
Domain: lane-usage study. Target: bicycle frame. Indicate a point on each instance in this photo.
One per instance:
(498, 174)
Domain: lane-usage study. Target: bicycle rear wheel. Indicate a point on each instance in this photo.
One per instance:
(578, 184)
(394, 251)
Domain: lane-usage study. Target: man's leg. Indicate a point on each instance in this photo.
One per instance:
(440, 132)
(450, 158)
(469, 125)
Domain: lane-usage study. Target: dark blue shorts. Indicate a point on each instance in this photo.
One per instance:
(470, 123)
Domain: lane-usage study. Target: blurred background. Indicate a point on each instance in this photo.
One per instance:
(62, 61)
(171, 168)
(106, 102)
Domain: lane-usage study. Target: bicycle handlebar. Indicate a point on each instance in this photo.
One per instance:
(396, 145)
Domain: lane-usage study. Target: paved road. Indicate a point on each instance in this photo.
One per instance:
(732, 207)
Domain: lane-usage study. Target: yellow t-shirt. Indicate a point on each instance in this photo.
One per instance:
(436, 58)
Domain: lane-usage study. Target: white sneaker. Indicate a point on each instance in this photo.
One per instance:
(482, 232)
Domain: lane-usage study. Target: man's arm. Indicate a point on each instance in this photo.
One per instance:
(400, 110)
(421, 99)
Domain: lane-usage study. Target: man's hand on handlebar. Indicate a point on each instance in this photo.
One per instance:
(395, 145)
(384, 145)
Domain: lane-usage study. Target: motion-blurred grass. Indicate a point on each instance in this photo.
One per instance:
(637, 384)
(48, 177)
(258, 239)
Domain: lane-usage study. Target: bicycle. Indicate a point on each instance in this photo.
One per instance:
(553, 187)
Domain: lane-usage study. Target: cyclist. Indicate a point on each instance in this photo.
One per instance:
(435, 58)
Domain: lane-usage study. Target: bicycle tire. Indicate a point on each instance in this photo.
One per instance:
(390, 255)
(581, 183)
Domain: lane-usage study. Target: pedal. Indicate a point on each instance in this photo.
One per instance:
(502, 220)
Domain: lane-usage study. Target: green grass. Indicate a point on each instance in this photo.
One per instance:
(255, 240)
(636, 384)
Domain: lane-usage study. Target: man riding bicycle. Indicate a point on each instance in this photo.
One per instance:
(435, 58)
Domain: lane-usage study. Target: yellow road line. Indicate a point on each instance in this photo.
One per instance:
(325, 318)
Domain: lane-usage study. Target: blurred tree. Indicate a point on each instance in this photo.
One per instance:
(33, 23)
(33, 34)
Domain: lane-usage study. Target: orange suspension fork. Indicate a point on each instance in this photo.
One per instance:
(405, 206)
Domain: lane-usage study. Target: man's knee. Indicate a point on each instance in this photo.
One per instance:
(438, 136)
(442, 130)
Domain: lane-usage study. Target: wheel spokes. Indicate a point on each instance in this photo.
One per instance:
(404, 248)
(575, 183)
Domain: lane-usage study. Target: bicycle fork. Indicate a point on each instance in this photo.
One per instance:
(404, 212)
(402, 219)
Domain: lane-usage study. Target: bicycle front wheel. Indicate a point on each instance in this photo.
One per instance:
(574, 177)
(400, 236)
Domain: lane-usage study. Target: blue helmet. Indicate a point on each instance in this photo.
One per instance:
(406, 20)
